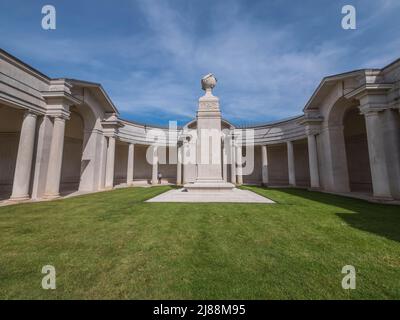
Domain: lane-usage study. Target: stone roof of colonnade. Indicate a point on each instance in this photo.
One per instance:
(23, 65)
(270, 123)
(329, 81)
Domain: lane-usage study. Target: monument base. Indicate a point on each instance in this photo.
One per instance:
(209, 186)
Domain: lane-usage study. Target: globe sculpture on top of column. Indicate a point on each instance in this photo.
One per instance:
(209, 135)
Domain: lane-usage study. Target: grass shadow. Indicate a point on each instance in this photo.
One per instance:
(380, 219)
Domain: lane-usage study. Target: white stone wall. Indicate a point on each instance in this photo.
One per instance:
(277, 165)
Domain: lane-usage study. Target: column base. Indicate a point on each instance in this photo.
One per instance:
(209, 186)
(51, 196)
(19, 198)
(383, 198)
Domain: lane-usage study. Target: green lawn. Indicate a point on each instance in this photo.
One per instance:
(114, 245)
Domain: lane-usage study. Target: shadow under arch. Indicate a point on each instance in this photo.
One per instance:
(92, 145)
(336, 156)
(79, 161)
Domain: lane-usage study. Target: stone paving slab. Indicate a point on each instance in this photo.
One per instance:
(233, 196)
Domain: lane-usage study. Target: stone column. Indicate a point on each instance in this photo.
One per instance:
(239, 165)
(179, 165)
(55, 159)
(154, 172)
(130, 166)
(377, 159)
(23, 166)
(264, 164)
(338, 176)
(185, 160)
(291, 166)
(103, 163)
(233, 162)
(313, 161)
(391, 130)
(224, 163)
(110, 163)
(44, 134)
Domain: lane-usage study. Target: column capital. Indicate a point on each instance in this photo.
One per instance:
(58, 111)
(62, 118)
(312, 130)
(370, 113)
(371, 109)
(372, 97)
(31, 113)
(111, 125)
(312, 121)
(58, 98)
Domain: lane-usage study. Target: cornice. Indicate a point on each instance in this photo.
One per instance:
(369, 88)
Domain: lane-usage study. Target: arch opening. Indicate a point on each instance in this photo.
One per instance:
(356, 142)
(72, 153)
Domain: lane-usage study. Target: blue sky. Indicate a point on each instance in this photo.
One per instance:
(268, 56)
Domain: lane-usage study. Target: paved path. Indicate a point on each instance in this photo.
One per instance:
(235, 195)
